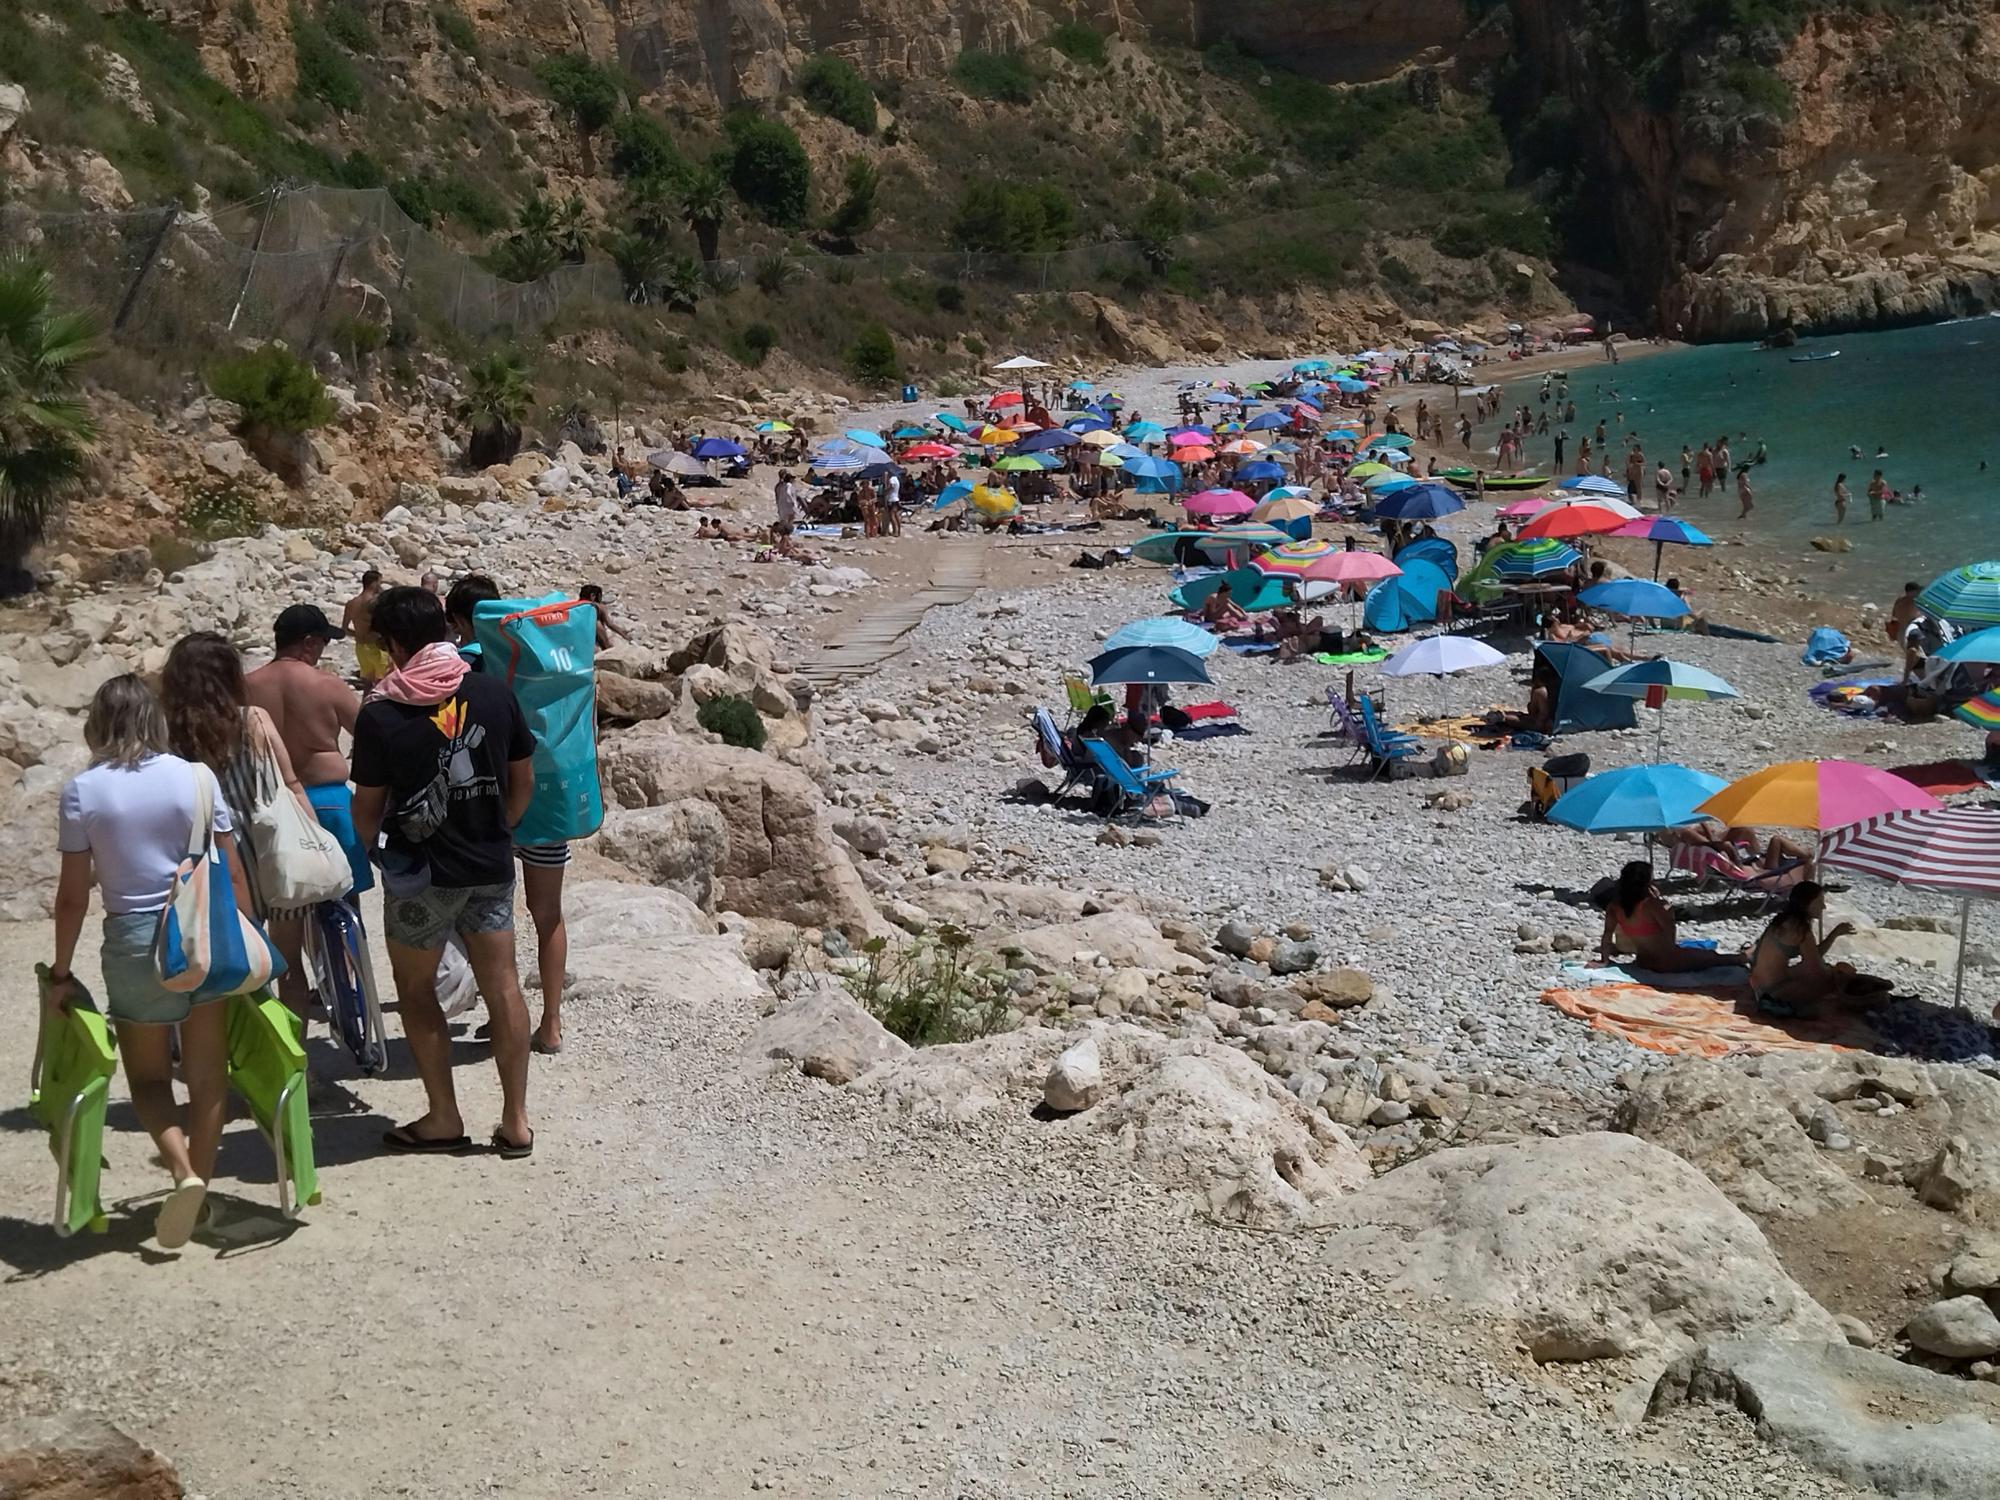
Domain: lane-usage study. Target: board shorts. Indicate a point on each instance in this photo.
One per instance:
(424, 920)
(333, 805)
(543, 856)
(372, 661)
(132, 988)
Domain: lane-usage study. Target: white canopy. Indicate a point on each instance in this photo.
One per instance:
(1022, 362)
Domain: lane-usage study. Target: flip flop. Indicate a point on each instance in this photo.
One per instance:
(513, 1150)
(174, 1226)
(403, 1139)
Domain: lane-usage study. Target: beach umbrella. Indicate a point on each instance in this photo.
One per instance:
(907, 433)
(1413, 501)
(1082, 387)
(1265, 421)
(1574, 520)
(1969, 597)
(1981, 646)
(921, 451)
(1440, 656)
(1310, 367)
(1285, 508)
(1951, 849)
(1658, 680)
(995, 437)
(1591, 484)
(1220, 503)
(1982, 712)
(673, 462)
(1545, 503)
(1053, 437)
(715, 447)
(1142, 432)
(1382, 484)
(1193, 455)
(1660, 530)
(1182, 436)
(1003, 399)
(1390, 440)
(995, 505)
(1521, 508)
(1222, 398)
(1351, 566)
(1535, 558)
(1814, 794)
(1344, 435)
(1021, 362)
(1100, 438)
(1019, 463)
(773, 426)
(866, 438)
(1164, 630)
(1261, 472)
(1635, 598)
(1146, 664)
(1290, 559)
(1145, 466)
(952, 493)
(1289, 492)
(1366, 468)
(1635, 799)
(946, 419)
(1242, 447)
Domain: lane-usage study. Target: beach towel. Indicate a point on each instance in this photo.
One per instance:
(1942, 778)
(1213, 710)
(1244, 645)
(1717, 1021)
(1351, 658)
(1218, 731)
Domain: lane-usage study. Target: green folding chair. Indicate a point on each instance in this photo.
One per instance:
(267, 1066)
(69, 1084)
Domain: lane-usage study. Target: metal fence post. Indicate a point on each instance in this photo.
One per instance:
(159, 240)
(326, 294)
(256, 245)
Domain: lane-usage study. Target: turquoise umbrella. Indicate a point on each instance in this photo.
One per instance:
(1969, 597)
(1636, 799)
(1163, 630)
(1658, 680)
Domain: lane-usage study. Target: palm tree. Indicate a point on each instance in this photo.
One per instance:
(641, 260)
(496, 401)
(704, 200)
(651, 205)
(681, 283)
(533, 247)
(46, 430)
(571, 228)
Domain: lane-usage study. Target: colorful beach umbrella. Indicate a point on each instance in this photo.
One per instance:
(1982, 712)
(1290, 559)
(1537, 557)
(1220, 503)
(1661, 530)
(1164, 630)
(1969, 597)
(1658, 680)
(1951, 849)
(1815, 794)
(1574, 520)
(1592, 484)
(1635, 799)
(772, 426)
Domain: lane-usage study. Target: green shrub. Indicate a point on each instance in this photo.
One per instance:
(456, 29)
(928, 993)
(472, 204)
(854, 215)
(212, 512)
(348, 26)
(1004, 76)
(831, 86)
(950, 297)
(769, 170)
(360, 170)
(1462, 239)
(735, 718)
(1761, 90)
(413, 196)
(324, 71)
(1396, 272)
(871, 358)
(1523, 229)
(773, 273)
(759, 339)
(974, 345)
(580, 86)
(277, 390)
(641, 148)
(1012, 218)
(1079, 43)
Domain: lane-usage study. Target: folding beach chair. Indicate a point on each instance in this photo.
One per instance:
(1056, 751)
(1134, 789)
(1082, 697)
(69, 1083)
(267, 1066)
(1385, 746)
(1714, 870)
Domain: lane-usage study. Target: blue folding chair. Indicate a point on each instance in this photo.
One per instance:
(1385, 746)
(1056, 750)
(1135, 788)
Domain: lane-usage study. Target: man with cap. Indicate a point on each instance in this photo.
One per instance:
(310, 708)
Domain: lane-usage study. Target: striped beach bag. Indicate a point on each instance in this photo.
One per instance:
(204, 945)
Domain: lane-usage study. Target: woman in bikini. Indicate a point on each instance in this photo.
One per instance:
(1789, 974)
(1637, 916)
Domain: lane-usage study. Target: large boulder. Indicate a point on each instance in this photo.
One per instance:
(1590, 1246)
(1125, 938)
(1856, 1414)
(1964, 1175)
(827, 1034)
(1208, 1120)
(960, 1081)
(678, 845)
(631, 700)
(1738, 1130)
(783, 860)
(77, 1456)
(643, 937)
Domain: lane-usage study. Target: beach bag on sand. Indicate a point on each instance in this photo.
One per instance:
(204, 945)
(298, 862)
(544, 650)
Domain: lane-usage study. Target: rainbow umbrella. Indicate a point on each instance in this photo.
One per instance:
(1220, 503)
(1968, 597)
(1536, 557)
(1815, 794)
(1291, 559)
(1982, 712)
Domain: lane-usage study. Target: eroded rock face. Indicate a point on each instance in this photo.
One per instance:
(679, 845)
(827, 1035)
(1590, 1246)
(77, 1456)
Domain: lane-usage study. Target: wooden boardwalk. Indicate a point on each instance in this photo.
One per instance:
(879, 634)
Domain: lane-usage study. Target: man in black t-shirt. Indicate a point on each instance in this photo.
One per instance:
(441, 775)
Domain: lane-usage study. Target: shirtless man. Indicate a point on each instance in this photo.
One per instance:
(370, 657)
(1903, 611)
(311, 708)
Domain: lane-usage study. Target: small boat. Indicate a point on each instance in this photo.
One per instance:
(1470, 482)
(1813, 359)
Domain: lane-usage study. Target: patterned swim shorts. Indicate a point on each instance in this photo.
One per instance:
(425, 920)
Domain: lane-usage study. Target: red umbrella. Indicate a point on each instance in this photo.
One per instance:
(1574, 520)
(999, 399)
(929, 450)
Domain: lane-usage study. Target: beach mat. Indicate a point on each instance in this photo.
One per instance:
(1217, 731)
(1350, 658)
(1245, 646)
(1719, 1021)
(1216, 709)
(1942, 778)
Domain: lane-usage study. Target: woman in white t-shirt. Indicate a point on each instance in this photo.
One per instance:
(125, 825)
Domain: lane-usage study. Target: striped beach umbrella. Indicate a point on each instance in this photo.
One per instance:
(1536, 557)
(1291, 559)
(1982, 712)
(1969, 597)
(1951, 849)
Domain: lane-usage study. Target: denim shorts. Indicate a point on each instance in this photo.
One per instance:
(132, 988)
(424, 920)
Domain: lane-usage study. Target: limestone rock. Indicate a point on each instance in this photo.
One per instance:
(646, 937)
(1960, 1328)
(678, 845)
(1852, 1412)
(628, 700)
(1125, 938)
(1737, 1130)
(1964, 1176)
(959, 1081)
(827, 1034)
(783, 859)
(1590, 1246)
(77, 1456)
(1974, 1269)
(1076, 1078)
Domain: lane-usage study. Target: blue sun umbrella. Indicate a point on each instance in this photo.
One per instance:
(1082, 387)
(1163, 630)
(1969, 597)
(1635, 597)
(952, 493)
(1636, 799)
(1309, 367)
(714, 447)
(1253, 473)
(1141, 432)
(909, 433)
(1037, 442)
(1265, 421)
(866, 438)
(956, 424)
(1658, 680)
(1344, 435)
(1392, 440)
(1146, 664)
(1537, 557)
(1591, 484)
(1982, 646)
(1145, 466)
(1416, 502)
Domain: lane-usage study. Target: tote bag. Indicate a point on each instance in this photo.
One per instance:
(298, 862)
(204, 945)
(545, 650)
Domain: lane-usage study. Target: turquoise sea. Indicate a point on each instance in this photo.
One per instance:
(1929, 396)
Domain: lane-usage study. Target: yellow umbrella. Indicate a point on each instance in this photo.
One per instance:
(1102, 439)
(1288, 508)
(994, 504)
(993, 436)
(1815, 794)
(1362, 471)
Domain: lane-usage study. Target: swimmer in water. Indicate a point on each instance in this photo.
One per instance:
(1854, 450)
(1880, 451)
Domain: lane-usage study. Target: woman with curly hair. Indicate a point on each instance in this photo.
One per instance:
(210, 721)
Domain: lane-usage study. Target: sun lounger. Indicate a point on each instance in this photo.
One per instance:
(267, 1066)
(1714, 870)
(1135, 789)
(69, 1082)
